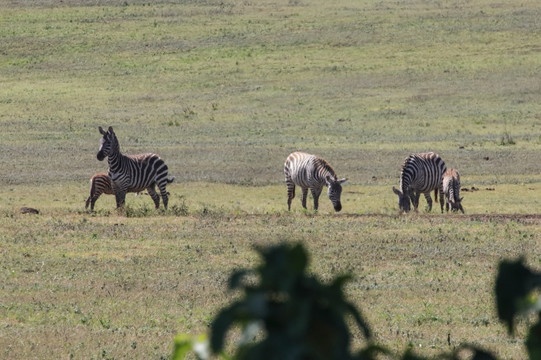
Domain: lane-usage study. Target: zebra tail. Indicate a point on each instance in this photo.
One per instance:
(169, 181)
(436, 195)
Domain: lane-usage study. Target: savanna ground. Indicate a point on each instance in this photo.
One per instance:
(224, 91)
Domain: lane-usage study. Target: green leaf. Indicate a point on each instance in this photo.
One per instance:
(533, 341)
(183, 345)
(363, 325)
(298, 259)
(221, 324)
(514, 283)
(235, 281)
(410, 356)
(372, 352)
(479, 354)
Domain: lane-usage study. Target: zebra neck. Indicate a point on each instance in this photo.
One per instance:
(452, 194)
(323, 174)
(116, 159)
(322, 170)
(404, 184)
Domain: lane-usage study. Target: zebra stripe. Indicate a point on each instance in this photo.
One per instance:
(311, 172)
(133, 173)
(100, 183)
(451, 190)
(421, 173)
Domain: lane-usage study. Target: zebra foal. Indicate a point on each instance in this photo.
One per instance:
(451, 189)
(421, 173)
(100, 183)
(133, 173)
(311, 172)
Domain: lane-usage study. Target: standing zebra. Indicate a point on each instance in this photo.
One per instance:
(451, 189)
(100, 183)
(421, 173)
(133, 173)
(311, 172)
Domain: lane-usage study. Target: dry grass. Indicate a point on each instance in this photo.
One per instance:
(92, 286)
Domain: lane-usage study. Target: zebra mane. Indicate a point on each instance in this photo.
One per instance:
(408, 160)
(322, 163)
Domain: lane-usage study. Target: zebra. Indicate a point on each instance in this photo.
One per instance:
(421, 173)
(311, 172)
(133, 173)
(451, 189)
(100, 183)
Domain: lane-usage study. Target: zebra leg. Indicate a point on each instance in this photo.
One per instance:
(304, 196)
(93, 201)
(94, 195)
(165, 197)
(315, 194)
(429, 201)
(120, 198)
(152, 192)
(414, 196)
(164, 193)
(290, 192)
(441, 199)
(290, 195)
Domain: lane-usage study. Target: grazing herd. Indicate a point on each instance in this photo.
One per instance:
(421, 173)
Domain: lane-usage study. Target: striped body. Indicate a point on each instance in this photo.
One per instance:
(451, 190)
(100, 183)
(133, 173)
(421, 173)
(311, 172)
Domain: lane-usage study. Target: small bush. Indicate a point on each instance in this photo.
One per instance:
(132, 212)
(179, 210)
(507, 139)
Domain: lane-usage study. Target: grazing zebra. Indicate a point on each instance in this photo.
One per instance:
(133, 173)
(421, 173)
(311, 172)
(451, 190)
(100, 183)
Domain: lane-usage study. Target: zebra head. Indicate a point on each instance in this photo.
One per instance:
(106, 143)
(456, 204)
(403, 200)
(334, 190)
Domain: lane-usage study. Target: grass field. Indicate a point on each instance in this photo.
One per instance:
(223, 91)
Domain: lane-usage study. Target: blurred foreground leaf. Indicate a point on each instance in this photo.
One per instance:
(299, 317)
(515, 284)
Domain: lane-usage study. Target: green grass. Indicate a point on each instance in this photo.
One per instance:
(223, 91)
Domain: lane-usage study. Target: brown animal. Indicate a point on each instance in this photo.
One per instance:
(451, 190)
(100, 183)
(28, 210)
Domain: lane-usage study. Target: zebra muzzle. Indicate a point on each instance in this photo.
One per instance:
(100, 156)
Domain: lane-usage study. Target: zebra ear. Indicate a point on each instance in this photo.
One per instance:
(396, 191)
(341, 181)
(101, 130)
(111, 130)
